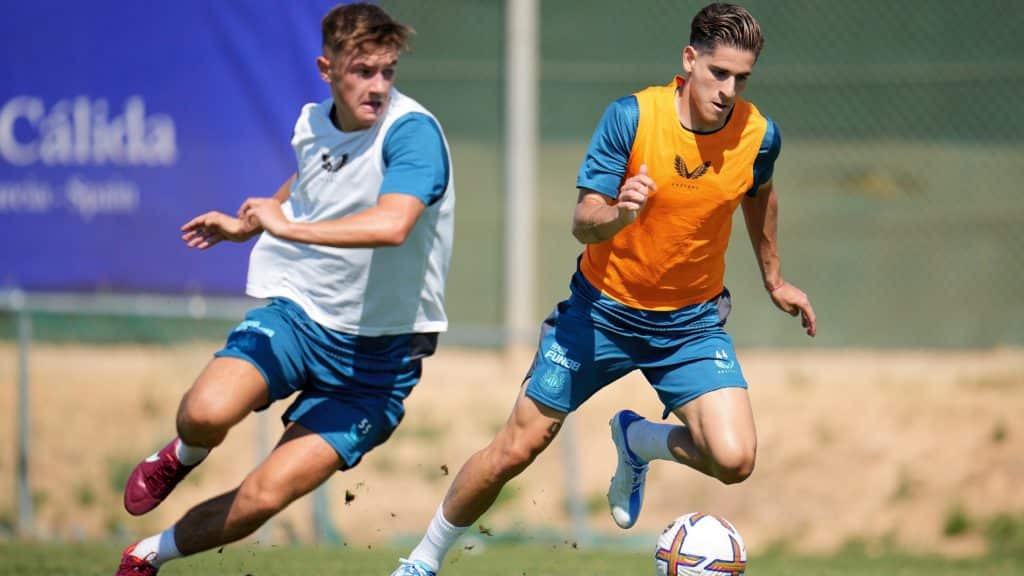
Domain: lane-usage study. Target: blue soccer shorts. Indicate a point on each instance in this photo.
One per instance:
(351, 388)
(590, 340)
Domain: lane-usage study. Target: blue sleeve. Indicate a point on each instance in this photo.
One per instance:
(764, 165)
(415, 159)
(608, 154)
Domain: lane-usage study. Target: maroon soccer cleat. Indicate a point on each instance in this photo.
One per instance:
(132, 566)
(153, 479)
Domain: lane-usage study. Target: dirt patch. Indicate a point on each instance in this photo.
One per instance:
(852, 445)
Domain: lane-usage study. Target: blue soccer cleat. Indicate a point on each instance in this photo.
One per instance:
(412, 568)
(626, 492)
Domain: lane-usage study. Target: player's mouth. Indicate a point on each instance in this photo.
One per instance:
(720, 107)
(373, 106)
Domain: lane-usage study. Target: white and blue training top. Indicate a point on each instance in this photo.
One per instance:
(365, 291)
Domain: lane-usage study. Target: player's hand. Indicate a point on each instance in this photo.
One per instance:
(265, 213)
(633, 195)
(793, 301)
(208, 229)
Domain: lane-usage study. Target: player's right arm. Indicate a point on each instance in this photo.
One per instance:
(608, 201)
(416, 176)
(208, 229)
(598, 217)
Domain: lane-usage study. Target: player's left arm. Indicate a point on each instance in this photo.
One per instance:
(761, 214)
(416, 175)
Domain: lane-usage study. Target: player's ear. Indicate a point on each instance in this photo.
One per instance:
(689, 59)
(324, 66)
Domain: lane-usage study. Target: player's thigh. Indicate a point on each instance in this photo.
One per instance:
(575, 358)
(351, 422)
(301, 461)
(226, 390)
(690, 365)
(722, 425)
(273, 339)
(702, 383)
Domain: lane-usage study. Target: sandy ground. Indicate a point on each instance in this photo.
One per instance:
(853, 445)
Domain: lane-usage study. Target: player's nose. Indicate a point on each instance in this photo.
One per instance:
(728, 89)
(379, 84)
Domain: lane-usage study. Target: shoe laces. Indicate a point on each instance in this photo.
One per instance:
(637, 478)
(637, 473)
(410, 568)
(138, 566)
(165, 475)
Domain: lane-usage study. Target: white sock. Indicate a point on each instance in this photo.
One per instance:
(440, 536)
(190, 455)
(649, 440)
(158, 548)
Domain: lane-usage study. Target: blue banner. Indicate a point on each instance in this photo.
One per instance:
(122, 120)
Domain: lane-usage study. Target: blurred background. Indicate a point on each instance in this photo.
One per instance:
(900, 215)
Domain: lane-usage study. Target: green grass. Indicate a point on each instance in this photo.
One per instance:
(504, 560)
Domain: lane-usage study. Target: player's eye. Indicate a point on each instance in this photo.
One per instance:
(388, 73)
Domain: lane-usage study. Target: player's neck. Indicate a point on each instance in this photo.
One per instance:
(687, 114)
(338, 122)
(334, 117)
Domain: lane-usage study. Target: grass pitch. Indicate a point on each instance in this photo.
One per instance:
(512, 560)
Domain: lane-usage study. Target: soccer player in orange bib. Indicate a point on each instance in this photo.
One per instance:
(665, 171)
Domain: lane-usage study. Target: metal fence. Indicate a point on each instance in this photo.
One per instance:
(902, 154)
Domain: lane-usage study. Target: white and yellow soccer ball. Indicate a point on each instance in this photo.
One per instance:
(698, 544)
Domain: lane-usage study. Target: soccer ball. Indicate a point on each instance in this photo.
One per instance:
(698, 544)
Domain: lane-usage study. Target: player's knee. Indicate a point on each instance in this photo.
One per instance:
(257, 501)
(734, 465)
(513, 457)
(202, 421)
(199, 426)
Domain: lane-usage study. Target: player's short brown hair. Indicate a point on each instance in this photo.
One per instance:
(725, 24)
(351, 25)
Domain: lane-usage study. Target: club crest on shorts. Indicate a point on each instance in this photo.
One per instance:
(554, 380)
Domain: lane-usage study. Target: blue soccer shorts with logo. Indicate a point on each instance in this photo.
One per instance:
(351, 388)
(590, 340)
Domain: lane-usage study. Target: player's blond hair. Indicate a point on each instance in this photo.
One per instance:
(350, 26)
(725, 24)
